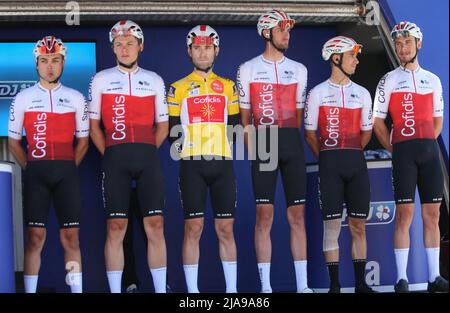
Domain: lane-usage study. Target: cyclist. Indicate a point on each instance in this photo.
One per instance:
(130, 102)
(273, 90)
(51, 114)
(206, 106)
(413, 98)
(341, 111)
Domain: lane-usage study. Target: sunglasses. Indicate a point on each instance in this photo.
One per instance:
(283, 24)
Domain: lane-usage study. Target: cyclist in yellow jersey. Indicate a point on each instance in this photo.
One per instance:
(203, 105)
(206, 106)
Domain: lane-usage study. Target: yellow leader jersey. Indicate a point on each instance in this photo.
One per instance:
(203, 106)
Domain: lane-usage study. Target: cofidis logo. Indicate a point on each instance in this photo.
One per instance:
(380, 213)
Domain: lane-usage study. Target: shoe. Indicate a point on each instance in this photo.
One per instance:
(439, 285)
(132, 289)
(401, 286)
(335, 289)
(364, 289)
(306, 290)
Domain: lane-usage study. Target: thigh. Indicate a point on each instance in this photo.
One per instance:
(223, 191)
(116, 184)
(193, 188)
(150, 188)
(67, 197)
(404, 173)
(37, 197)
(357, 192)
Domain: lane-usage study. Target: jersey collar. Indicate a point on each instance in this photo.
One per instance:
(125, 72)
(337, 85)
(409, 71)
(48, 90)
(272, 62)
(196, 76)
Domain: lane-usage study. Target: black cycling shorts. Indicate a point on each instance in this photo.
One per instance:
(290, 161)
(124, 163)
(343, 177)
(47, 180)
(195, 178)
(416, 163)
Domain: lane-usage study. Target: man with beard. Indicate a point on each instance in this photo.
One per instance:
(206, 106)
(51, 114)
(272, 89)
(131, 103)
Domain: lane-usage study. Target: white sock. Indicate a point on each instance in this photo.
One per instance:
(190, 273)
(159, 279)
(30, 282)
(401, 260)
(75, 281)
(115, 281)
(301, 275)
(264, 276)
(230, 272)
(433, 263)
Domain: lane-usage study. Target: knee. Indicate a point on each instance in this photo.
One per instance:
(193, 230)
(116, 229)
(358, 229)
(35, 240)
(264, 219)
(154, 226)
(430, 217)
(403, 218)
(296, 218)
(70, 240)
(225, 232)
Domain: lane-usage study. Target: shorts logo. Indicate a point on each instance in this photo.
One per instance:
(217, 86)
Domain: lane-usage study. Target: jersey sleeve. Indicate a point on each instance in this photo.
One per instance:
(233, 99)
(438, 98)
(174, 100)
(161, 110)
(81, 117)
(243, 86)
(95, 98)
(311, 114)
(382, 98)
(16, 117)
(366, 114)
(301, 88)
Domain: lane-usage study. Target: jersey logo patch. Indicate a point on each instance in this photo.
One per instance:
(171, 92)
(217, 86)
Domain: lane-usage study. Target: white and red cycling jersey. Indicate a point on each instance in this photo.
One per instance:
(128, 103)
(340, 112)
(412, 98)
(51, 118)
(273, 90)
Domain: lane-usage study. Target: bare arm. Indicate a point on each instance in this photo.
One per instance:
(382, 133)
(97, 135)
(17, 151)
(161, 132)
(300, 117)
(81, 148)
(313, 142)
(365, 138)
(437, 126)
